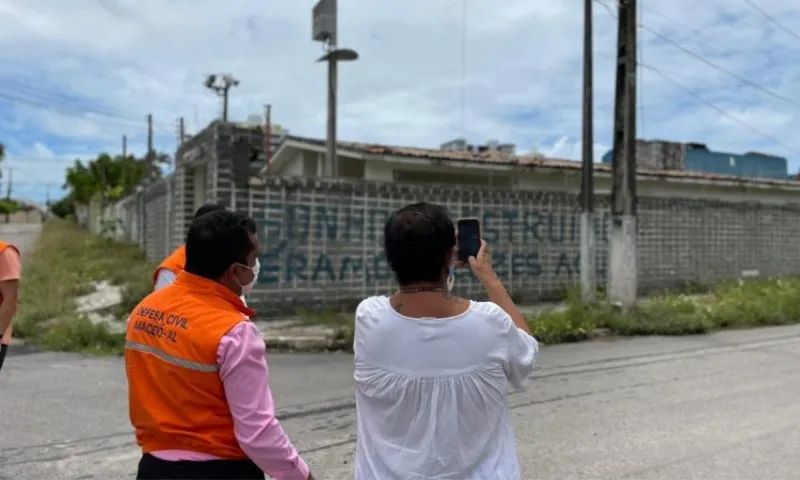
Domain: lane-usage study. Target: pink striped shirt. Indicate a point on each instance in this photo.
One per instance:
(245, 377)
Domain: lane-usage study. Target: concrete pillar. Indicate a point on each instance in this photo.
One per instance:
(622, 282)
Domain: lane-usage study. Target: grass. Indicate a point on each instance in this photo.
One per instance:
(341, 322)
(68, 260)
(64, 265)
(692, 310)
(749, 304)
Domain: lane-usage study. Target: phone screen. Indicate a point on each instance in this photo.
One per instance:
(469, 238)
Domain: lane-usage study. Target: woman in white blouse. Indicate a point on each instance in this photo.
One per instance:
(432, 370)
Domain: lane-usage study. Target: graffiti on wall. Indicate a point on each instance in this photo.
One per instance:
(328, 243)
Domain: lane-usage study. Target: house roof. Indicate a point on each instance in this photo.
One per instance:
(531, 161)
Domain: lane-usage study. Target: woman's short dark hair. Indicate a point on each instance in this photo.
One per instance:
(418, 240)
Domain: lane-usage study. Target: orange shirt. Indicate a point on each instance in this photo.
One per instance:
(10, 269)
(176, 396)
(174, 263)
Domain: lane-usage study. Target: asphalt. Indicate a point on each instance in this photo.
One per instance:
(21, 235)
(722, 406)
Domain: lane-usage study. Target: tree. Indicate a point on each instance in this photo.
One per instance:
(2, 152)
(107, 176)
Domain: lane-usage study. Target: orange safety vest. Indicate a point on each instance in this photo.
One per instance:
(175, 393)
(7, 334)
(174, 263)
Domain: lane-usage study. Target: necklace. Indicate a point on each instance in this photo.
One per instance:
(423, 289)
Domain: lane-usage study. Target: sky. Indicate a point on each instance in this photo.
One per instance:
(76, 76)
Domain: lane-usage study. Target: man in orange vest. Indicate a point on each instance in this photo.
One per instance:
(198, 382)
(172, 265)
(10, 272)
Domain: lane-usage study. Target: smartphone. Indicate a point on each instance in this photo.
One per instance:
(469, 238)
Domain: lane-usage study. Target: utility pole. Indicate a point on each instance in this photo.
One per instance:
(622, 278)
(181, 131)
(150, 153)
(268, 136)
(8, 192)
(330, 134)
(47, 202)
(588, 261)
(124, 156)
(149, 160)
(221, 85)
(324, 29)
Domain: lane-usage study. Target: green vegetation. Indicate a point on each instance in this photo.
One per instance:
(9, 206)
(733, 305)
(109, 177)
(696, 310)
(65, 264)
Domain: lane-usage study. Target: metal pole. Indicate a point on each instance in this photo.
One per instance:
(124, 146)
(622, 281)
(268, 136)
(225, 102)
(181, 131)
(333, 167)
(587, 253)
(8, 192)
(149, 137)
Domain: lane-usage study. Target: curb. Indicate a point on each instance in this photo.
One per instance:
(287, 343)
(21, 347)
(319, 343)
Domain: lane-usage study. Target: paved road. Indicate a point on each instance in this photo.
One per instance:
(723, 406)
(23, 235)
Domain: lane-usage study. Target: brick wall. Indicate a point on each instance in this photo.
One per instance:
(322, 240)
(156, 219)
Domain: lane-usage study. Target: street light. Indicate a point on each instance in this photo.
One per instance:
(221, 85)
(324, 30)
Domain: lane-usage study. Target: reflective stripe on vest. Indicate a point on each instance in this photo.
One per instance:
(179, 362)
(176, 395)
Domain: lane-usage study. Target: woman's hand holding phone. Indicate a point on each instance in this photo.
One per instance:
(481, 265)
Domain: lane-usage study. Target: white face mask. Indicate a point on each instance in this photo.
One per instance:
(246, 289)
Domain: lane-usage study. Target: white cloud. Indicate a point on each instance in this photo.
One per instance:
(522, 80)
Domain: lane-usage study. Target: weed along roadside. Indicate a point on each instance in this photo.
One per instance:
(751, 304)
(759, 303)
(77, 289)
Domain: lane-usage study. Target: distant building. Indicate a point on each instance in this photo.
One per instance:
(696, 157)
(461, 145)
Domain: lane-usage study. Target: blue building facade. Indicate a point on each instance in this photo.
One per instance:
(696, 157)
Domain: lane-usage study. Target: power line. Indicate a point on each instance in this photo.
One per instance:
(700, 98)
(74, 111)
(685, 50)
(742, 79)
(772, 19)
(14, 87)
(719, 110)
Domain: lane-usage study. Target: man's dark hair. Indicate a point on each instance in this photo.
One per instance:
(417, 240)
(208, 208)
(217, 240)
